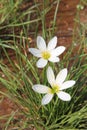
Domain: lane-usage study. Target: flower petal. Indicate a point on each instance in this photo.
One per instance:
(52, 43)
(41, 63)
(35, 52)
(64, 96)
(47, 98)
(41, 43)
(54, 59)
(50, 76)
(40, 88)
(67, 84)
(57, 51)
(61, 76)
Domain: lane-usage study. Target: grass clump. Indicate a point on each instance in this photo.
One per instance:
(20, 71)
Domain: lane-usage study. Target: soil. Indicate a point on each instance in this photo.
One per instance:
(65, 24)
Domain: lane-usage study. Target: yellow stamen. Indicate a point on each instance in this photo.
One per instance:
(46, 55)
(55, 89)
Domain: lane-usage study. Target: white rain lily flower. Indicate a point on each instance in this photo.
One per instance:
(57, 86)
(49, 53)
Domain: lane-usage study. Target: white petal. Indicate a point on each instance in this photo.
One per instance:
(61, 76)
(40, 88)
(50, 76)
(35, 52)
(41, 43)
(41, 63)
(67, 84)
(57, 51)
(64, 96)
(52, 43)
(47, 98)
(54, 59)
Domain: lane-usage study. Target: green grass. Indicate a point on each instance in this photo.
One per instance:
(22, 73)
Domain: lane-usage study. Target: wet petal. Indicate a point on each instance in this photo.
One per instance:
(54, 59)
(50, 76)
(64, 96)
(41, 63)
(47, 98)
(41, 43)
(52, 43)
(67, 84)
(35, 52)
(61, 76)
(40, 88)
(57, 51)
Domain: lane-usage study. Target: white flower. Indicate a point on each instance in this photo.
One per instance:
(49, 53)
(57, 86)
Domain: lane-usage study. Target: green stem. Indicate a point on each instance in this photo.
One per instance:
(55, 16)
(52, 111)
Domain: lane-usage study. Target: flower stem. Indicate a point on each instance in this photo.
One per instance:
(52, 111)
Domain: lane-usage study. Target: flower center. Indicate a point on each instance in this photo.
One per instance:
(55, 89)
(46, 55)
